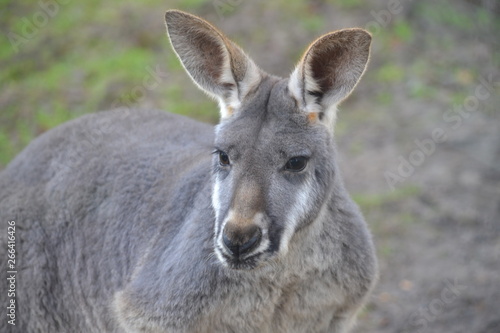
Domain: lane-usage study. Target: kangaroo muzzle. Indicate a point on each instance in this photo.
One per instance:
(240, 241)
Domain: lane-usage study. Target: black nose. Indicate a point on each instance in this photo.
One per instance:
(240, 242)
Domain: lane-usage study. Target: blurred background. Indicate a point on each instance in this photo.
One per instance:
(419, 139)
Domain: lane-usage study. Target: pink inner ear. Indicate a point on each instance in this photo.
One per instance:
(211, 59)
(325, 63)
(337, 60)
(198, 45)
(210, 56)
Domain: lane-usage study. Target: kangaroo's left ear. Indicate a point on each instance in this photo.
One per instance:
(329, 70)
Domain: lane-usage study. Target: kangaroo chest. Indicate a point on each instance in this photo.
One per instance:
(308, 306)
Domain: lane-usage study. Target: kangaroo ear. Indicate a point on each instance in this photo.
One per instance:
(217, 65)
(329, 70)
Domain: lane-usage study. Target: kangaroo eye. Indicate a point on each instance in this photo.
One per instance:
(223, 158)
(296, 164)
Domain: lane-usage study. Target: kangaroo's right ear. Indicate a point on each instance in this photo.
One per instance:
(217, 65)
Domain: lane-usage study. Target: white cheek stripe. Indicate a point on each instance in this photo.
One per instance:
(216, 206)
(299, 209)
(216, 202)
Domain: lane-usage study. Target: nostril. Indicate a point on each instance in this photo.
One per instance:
(234, 248)
(252, 242)
(241, 242)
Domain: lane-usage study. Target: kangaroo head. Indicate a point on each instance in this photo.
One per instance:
(274, 155)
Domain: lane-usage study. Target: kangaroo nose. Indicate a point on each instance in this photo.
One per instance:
(240, 241)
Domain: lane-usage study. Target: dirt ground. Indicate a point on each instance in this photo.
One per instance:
(419, 142)
(439, 247)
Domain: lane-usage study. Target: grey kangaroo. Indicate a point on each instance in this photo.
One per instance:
(144, 221)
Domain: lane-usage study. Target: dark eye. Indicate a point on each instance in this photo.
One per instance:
(296, 164)
(223, 158)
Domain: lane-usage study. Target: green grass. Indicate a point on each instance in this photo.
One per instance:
(373, 201)
(390, 73)
(453, 15)
(84, 58)
(348, 4)
(403, 30)
(313, 23)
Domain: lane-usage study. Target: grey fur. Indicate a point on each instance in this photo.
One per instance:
(116, 229)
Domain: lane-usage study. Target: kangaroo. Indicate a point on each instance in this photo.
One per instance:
(143, 221)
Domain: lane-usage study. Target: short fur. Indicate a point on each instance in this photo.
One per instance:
(124, 217)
